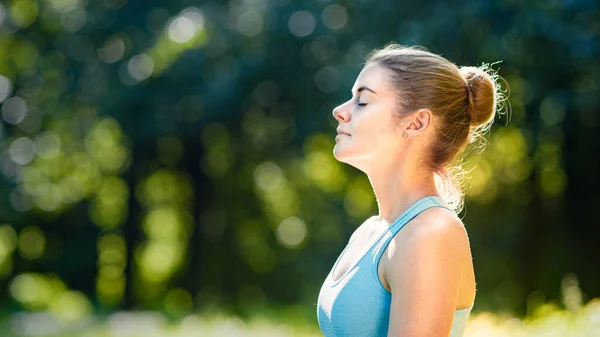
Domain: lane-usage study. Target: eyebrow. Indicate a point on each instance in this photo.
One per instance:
(364, 88)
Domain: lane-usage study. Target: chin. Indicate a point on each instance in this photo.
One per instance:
(351, 157)
(340, 153)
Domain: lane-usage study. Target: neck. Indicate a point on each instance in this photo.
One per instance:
(398, 186)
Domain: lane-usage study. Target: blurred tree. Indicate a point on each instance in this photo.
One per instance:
(167, 155)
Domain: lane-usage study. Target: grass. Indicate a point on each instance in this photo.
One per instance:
(548, 320)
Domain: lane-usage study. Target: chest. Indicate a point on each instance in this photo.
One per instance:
(356, 250)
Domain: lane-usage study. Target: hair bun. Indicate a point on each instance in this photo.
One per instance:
(481, 91)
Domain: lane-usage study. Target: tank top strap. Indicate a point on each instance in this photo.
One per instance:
(409, 214)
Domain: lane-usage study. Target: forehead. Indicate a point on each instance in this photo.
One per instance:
(374, 77)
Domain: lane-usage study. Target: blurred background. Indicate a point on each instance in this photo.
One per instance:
(166, 167)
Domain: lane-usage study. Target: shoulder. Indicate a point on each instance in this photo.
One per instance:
(436, 225)
(436, 233)
(425, 273)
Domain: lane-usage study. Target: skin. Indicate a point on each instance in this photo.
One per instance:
(428, 265)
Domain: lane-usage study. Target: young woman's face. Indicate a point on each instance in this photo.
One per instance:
(366, 122)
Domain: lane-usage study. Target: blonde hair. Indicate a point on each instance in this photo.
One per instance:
(464, 101)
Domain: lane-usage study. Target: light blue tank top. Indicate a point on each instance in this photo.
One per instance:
(357, 304)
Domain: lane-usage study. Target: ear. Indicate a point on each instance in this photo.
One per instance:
(419, 121)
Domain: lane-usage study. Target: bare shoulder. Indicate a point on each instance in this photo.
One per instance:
(435, 232)
(426, 270)
(436, 225)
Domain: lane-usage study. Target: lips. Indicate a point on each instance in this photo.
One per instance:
(341, 132)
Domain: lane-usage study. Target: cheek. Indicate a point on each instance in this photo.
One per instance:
(380, 137)
(374, 129)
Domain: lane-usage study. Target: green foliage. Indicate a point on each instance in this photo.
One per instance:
(169, 157)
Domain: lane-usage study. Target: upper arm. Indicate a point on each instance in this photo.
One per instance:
(424, 276)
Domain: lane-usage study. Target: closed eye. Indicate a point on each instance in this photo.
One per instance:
(359, 103)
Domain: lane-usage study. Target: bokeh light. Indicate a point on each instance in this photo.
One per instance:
(14, 110)
(301, 23)
(140, 67)
(250, 23)
(22, 150)
(167, 168)
(32, 242)
(291, 232)
(5, 86)
(335, 16)
(184, 27)
(23, 12)
(112, 50)
(327, 79)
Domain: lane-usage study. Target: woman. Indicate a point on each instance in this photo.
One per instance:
(408, 271)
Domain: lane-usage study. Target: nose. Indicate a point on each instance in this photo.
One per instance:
(342, 113)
